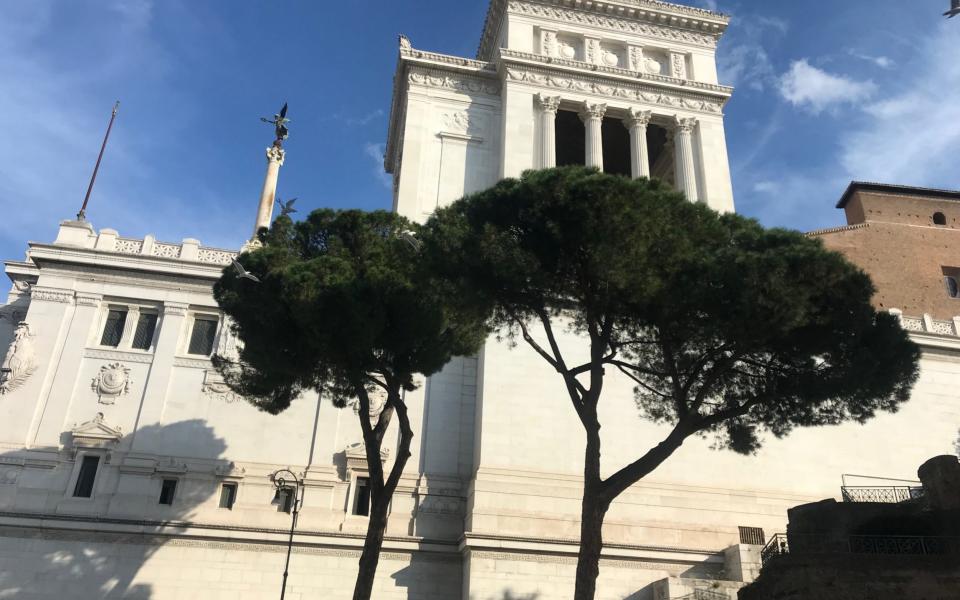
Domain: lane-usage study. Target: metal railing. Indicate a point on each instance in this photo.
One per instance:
(888, 495)
(781, 544)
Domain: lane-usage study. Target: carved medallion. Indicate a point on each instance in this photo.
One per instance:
(112, 381)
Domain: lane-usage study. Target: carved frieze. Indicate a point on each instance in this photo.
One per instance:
(112, 382)
(586, 85)
(578, 17)
(39, 294)
(20, 361)
(457, 83)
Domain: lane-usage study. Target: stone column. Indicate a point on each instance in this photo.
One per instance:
(275, 157)
(592, 117)
(686, 176)
(636, 122)
(548, 130)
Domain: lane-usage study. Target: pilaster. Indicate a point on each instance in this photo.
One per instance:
(161, 373)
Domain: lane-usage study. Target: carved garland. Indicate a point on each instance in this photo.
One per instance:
(20, 361)
(613, 23)
(455, 83)
(614, 91)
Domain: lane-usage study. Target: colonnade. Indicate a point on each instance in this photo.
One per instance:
(636, 122)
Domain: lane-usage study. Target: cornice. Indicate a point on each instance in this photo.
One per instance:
(118, 261)
(650, 17)
(635, 91)
(118, 355)
(675, 84)
(432, 69)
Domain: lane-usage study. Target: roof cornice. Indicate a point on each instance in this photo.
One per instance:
(647, 11)
(896, 190)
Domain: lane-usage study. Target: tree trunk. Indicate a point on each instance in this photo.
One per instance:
(381, 493)
(593, 510)
(591, 544)
(372, 544)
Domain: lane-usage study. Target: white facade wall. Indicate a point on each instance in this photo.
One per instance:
(488, 507)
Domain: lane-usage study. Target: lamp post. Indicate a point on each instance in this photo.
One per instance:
(293, 489)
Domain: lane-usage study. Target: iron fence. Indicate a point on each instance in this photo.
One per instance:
(782, 544)
(887, 495)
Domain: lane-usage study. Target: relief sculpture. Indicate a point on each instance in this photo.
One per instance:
(20, 361)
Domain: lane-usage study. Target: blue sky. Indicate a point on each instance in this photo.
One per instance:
(827, 92)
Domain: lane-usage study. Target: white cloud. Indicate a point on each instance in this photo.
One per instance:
(375, 153)
(884, 62)
(359, 120)
(708, 4)
(912, 135)
(742, 59)
(766, 187)
(806, 86)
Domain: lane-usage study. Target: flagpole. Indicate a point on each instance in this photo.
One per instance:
(82, 215)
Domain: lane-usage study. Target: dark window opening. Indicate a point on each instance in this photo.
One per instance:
(616, 147)
(168, 489)
(201, 339)
(753, 536)
(661, 161)
(113, 329)
(570, 139)
(939, 218)
(86, 477)
(228, 495)
(143, 335)
(361, 501)
(953, 288)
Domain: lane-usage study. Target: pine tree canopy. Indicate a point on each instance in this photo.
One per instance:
(343, 301)
(723, 326)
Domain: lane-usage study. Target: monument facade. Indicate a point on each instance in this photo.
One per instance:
(129, 469)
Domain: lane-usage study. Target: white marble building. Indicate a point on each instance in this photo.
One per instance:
(128, 470)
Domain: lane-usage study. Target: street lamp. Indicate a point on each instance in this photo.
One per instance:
(289, 496)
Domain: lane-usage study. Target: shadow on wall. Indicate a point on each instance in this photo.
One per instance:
(83, 549)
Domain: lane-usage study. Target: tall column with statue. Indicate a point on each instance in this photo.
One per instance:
(275, 158)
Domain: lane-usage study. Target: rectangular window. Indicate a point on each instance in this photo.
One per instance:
(752, 536)
(167, 491)
(202, 336)
(361, 499)
(87, 476)
(228, 495)
(113, 329)
(143, 335)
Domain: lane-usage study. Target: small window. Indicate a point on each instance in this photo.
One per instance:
(361, 499)
(202, 336)
(113, 329)
(953, 289)
(167, 491)
(87, 476)
(143, 335)
(284, 500)
(753, 536)
(228, 495)
(939, 218)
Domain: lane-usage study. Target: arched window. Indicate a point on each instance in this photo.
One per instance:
(953, 289)
(939, 218)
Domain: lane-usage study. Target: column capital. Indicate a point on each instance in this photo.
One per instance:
(638, 118)
(592, 111)
(276, 154)
(549, 104)
(685, 125)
